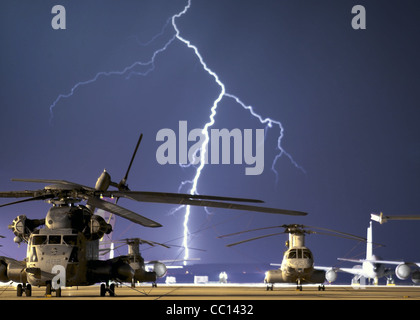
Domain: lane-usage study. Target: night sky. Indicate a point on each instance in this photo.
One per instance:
(348, 101)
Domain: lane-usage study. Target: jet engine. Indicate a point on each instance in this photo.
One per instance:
(98, 227)
(415, 277)
(403, 271)
(331, 275)
(22, 227)
(159, 268)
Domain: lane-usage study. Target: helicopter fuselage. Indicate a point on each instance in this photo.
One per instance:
(297, 267)
(49, 249)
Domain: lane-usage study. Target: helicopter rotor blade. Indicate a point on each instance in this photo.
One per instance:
(19, 194)
(338, 233)
(43, 197)
(250, 230)
(175, 198)
(122, 212)
(198, 200)
(255, 238)
(295, 228)
(122, 185)
(58, 182)
(189, 248)
(153, 243)
(141, 241)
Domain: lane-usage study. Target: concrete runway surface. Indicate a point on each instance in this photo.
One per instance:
(224, 292)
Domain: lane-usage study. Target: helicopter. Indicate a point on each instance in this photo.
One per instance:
(136, 261)
(298, 261)
(63, 247)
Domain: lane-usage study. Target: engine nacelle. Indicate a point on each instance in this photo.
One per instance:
(12, 270)
(273, 276)
(22, 227)
(403, 271)
(331, 275)
(98, 227)
(160, 269)
(415, 277)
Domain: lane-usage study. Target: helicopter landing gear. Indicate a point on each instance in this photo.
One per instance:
(27, 288)
(299, 285)
(49, 289)
(110, 288)
(321, 287)
(154, 285)
(269, 287)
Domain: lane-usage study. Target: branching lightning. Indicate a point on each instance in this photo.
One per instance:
(149, 65)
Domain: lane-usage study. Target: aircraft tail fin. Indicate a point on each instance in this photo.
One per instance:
(369, 245)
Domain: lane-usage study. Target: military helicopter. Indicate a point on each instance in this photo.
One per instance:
(68, 237)
(136, 261)
(298, 261)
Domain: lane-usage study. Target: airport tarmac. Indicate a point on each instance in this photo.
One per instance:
(224, 292)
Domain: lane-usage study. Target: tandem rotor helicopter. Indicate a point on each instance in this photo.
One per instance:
(298, 262)
(69, 235)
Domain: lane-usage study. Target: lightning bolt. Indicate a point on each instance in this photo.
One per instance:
(150, 65)
(269, 122)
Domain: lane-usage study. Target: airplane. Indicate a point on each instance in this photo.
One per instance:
(382, 219)
(63, 247)
(373, 267)
(298, 261)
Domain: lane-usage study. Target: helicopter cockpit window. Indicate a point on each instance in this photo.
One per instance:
(307, 254)
(70, 240)
(54, 239)
(293, 254)
(38, 240)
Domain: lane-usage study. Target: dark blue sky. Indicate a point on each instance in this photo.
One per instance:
(348, 101)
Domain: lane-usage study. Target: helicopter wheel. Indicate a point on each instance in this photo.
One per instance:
(19, 290)
(107, 288)
(112, 290)
(102, 290)
(48, 289)
(28, 290)
(299, 285)
(321, 287)
(58, 292)
(154, 285)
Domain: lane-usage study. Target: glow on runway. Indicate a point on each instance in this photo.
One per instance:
(216, 291)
